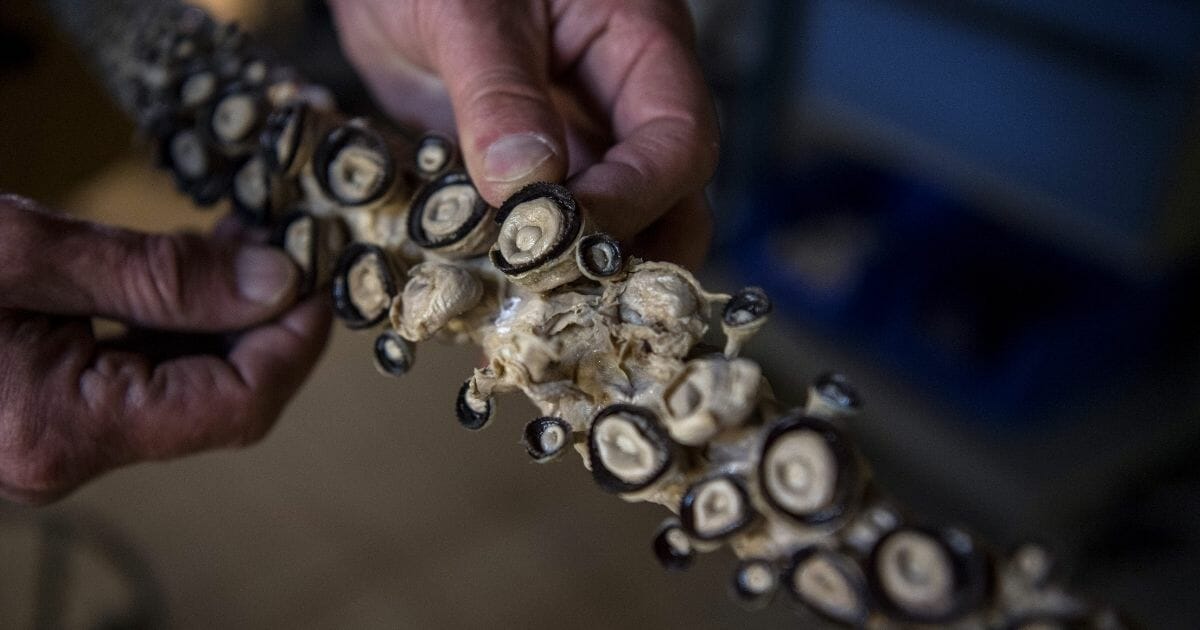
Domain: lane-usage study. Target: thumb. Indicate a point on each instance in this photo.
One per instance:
(55, 264)
(494, 61)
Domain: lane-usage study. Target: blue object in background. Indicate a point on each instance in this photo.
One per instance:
(976, 312)
(976, 192)
(1076, 110)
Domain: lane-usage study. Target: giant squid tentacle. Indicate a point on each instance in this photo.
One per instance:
(608, 347)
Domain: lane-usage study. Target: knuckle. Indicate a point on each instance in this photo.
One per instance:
(45, 474)
(38, 462)
(502, 87)
(39, 474)
(693, 135)
(158, 289)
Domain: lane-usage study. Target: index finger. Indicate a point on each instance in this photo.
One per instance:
(642, 70)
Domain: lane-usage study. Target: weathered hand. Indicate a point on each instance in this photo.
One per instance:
(607, 92)
(73, 406)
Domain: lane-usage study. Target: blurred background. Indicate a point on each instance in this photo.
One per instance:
(985, 212)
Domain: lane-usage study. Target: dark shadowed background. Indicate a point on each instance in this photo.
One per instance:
(985, 212)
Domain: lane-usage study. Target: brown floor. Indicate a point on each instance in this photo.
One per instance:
(369, 507)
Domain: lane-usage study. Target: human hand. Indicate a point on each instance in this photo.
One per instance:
(73, 406)
(607, 92)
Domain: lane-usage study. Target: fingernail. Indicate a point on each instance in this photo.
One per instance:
(264, 275)
(515, 157)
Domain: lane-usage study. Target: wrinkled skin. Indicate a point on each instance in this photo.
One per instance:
(73, 406)
(606, 93)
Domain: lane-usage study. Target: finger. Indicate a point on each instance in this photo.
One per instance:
(587, 131)
(383, 51)
(494, 59)
(683, 235)
(55, 264)
(201, 402)
(645, 73)
(39, 454)
(70, 410)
